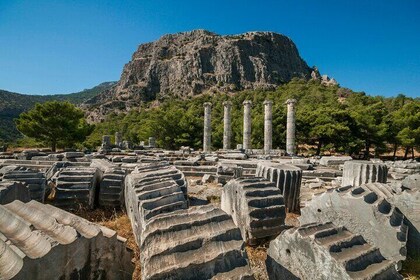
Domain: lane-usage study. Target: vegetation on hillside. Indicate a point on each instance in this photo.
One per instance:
(12, 104)
(328, 118)
(55, 123)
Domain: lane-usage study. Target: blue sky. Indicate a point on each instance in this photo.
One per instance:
(51, 47)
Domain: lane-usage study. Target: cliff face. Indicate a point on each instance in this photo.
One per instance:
(185, 64)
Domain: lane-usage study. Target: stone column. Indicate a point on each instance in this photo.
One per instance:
(247, 125)
(227, 130)
(207, 127)
(268, 126)
(152, 142)
(291, 127)
(118, 141)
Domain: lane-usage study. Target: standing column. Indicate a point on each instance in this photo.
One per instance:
(291, 127)
(268, 126)
(207, 127)
(227, 130)
(118, 139)
(247, 125)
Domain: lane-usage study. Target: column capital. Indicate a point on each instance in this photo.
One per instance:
(227, 103)
(247, 102)
(207, 104)
(290, 101)
(268, 102)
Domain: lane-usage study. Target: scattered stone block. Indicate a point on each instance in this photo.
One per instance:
(256, 206)
(364, 210)
(35, 181)
(287, 178)
(40, 241)
(10, 191)
(197, 243)
(358, 172)
(334, 160)
(207, 178)
(325, 251)
(74, 187)
(411, 182)
(150, 192)
(408, 202)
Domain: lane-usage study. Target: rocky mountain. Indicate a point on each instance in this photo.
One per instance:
(12, 104)
(189, 63)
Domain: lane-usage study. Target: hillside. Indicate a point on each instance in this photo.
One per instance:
(12, 104)
(189, 63)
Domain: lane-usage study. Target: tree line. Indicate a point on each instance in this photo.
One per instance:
(328, 119)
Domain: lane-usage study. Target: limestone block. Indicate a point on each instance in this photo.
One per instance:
(39, 241)
(287, 178)
(256, 206)
(358, 172)
(10, 191)
(149, 193)
(111, 188)
(364, 210)
(334, 160)
(35, 181)
(408, 202)
(74, 186)
(197, 243)
(325, 251)
(411, 182)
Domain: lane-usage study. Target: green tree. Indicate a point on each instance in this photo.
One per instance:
(407, 122)
(54, 123)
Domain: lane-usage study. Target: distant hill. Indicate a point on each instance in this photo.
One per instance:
(12, 104)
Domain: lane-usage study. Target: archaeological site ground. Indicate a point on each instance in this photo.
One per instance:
(213, 156)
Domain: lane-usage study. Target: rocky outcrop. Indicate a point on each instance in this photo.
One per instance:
(40, 241)
(325, 251)
(189, 63)
(256, 206)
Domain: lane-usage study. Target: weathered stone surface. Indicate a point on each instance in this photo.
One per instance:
(287, 178)
(325, 251)
(35, 181)
(256, 206)
(246, 137)
(39, 241)
(291, 127)
(364, 210)
(189, 63)
(408, 201)
(411, 182)
(334, 160)
(152, 192)
(401, 169)
(207, 127)
(10, 191)
(73, 186)
(196, 243)
(162, 170)
(359, 172)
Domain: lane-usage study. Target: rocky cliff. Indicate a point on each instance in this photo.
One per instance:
(189, 63)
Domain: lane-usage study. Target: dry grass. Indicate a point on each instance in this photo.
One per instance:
(411, 269)
(257, 256)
